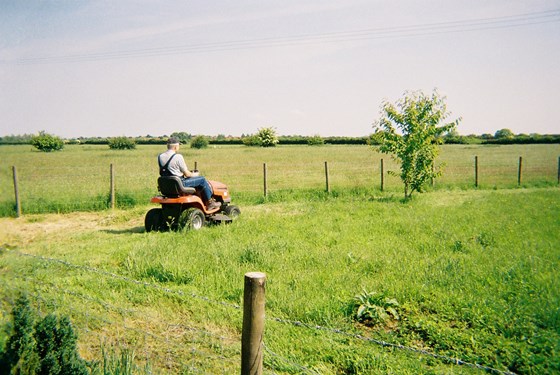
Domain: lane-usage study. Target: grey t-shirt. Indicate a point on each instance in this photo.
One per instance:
(177, 166)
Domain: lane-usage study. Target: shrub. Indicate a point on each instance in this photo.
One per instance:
(47, 142)
(199, 142)
(56, 346)
(19, 355)
(252, 140)
(267, 137)
(122, 143)
(48, 347)
(315, 140)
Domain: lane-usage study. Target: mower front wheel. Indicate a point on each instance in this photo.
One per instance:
(153, 220)
(191, 218)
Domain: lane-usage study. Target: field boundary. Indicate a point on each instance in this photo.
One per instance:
(327, 177)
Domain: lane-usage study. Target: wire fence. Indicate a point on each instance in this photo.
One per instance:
(68, 188)
(161, 344)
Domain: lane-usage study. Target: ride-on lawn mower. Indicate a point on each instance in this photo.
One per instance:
(182, 207)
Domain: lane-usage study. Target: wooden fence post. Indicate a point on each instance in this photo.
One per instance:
(519, 171)
(264, 178)
(476, 171)
(433, 180)
(382, 175)
(112, 187)
(253, 324)
(195, 165)
(16, 191)
(327, 177)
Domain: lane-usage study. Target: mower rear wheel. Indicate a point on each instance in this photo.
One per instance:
(191, 218)
(153, 220)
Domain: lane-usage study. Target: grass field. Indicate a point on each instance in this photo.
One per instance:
(78, 178)
(474, 271)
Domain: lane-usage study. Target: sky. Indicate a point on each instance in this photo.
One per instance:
(77, 68)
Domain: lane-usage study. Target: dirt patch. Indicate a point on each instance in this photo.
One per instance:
(32, 228)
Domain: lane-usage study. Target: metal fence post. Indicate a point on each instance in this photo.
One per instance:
(253, 324)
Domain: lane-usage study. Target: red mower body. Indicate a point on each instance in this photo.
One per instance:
(182, 207)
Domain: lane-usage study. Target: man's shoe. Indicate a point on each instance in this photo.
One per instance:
(211, 205)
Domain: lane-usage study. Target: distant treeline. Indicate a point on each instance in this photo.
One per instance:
(503, 136)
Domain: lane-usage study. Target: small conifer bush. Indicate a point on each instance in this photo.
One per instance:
(41, 346)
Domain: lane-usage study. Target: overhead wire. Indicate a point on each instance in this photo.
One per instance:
(519, 20)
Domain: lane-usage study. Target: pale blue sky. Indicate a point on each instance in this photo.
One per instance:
(111, 68)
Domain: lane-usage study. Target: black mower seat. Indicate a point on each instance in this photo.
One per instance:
(171, 186)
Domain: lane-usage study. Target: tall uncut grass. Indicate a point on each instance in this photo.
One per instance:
(78, 178)
(474, 272)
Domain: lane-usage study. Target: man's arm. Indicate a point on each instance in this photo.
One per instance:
(184, 169)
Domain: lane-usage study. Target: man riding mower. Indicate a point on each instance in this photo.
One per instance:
(187, 199)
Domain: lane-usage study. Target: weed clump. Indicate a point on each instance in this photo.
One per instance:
(375, 309)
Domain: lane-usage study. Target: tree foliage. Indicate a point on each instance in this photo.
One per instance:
(19, 356)
(411, 130)
(183, 137)
(267, 137)
(315, 140)
(252, 140)
(504, 134)
(199, 142)
(46, 347)
(122, 143)
(47, 142)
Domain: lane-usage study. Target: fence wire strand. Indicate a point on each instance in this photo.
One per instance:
(89, 188)
(301, 368)
(444, 358)
(294, 323)
(174, 337)
(130, 280)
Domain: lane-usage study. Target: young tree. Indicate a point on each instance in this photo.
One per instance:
(411, 131)
(267, 137)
